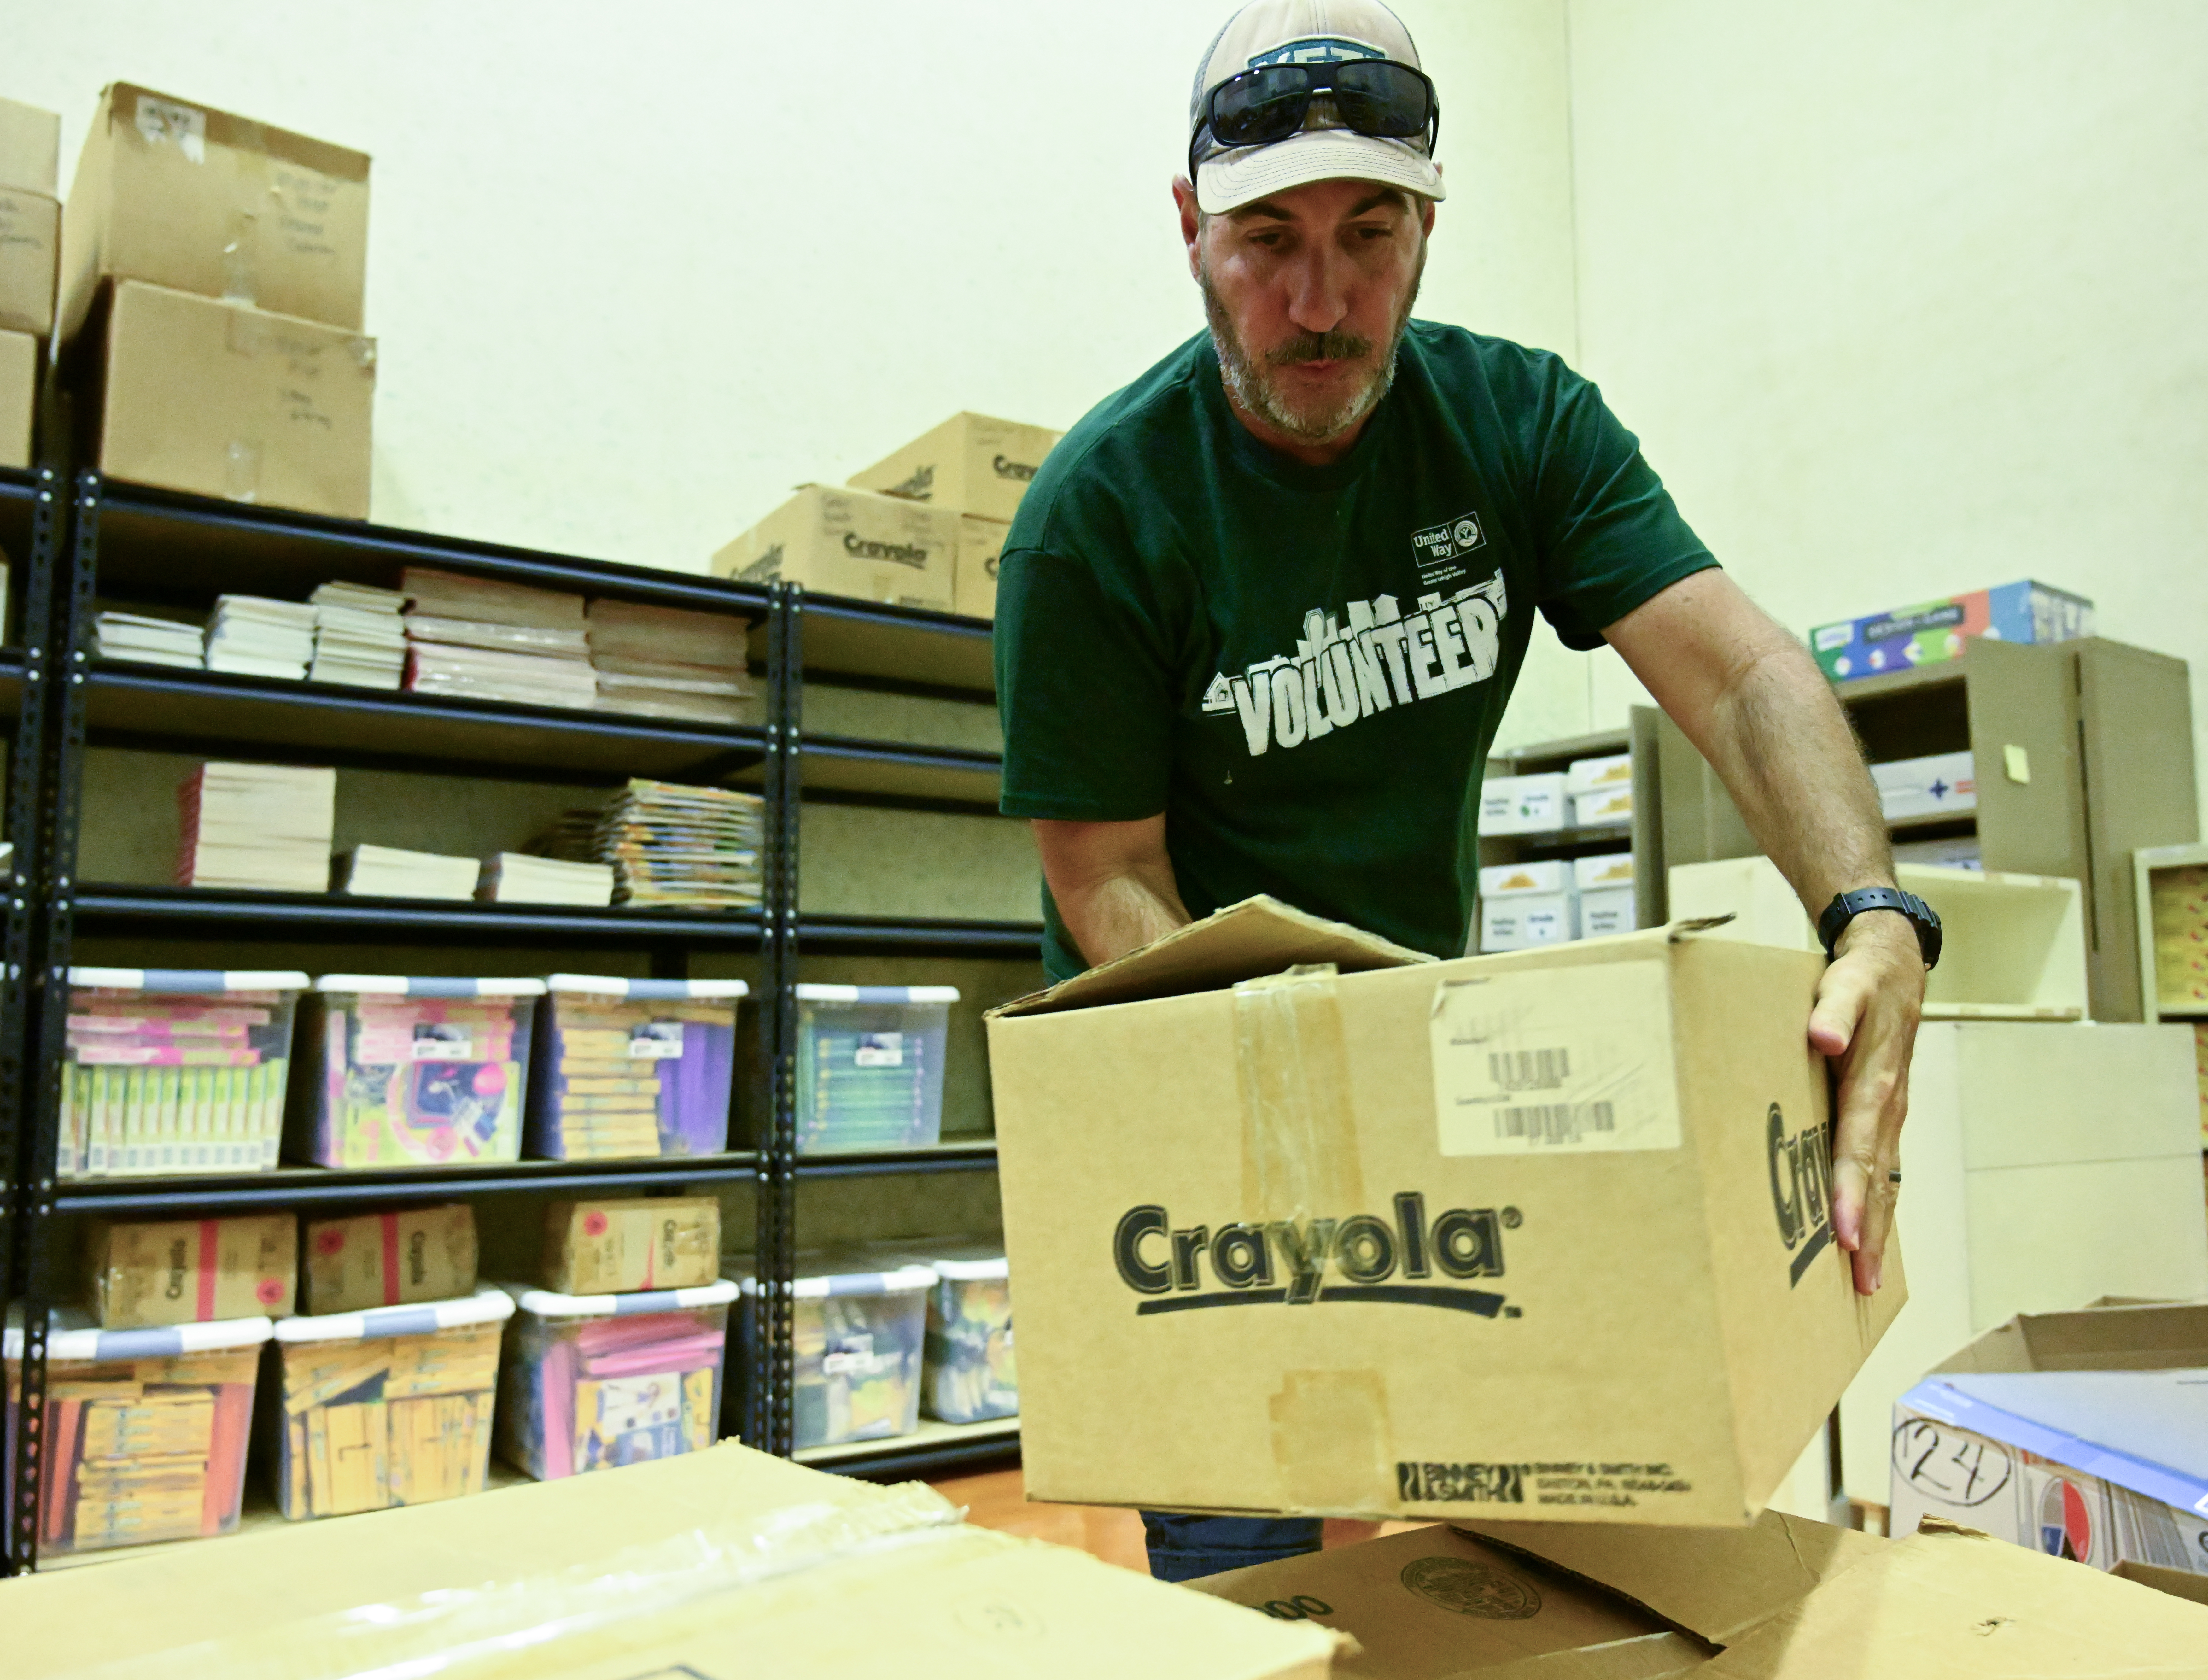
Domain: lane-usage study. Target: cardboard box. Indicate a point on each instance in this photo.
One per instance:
(390, 1259)
(612, 1247)
(30, 149)
(223, 400)
(2046, 1166)
(1605, 910)
(30, 242)
(874, 548)
(1601, 870)
(1934, 630)
(192, 1271)
(1523, 804)
(979, 542)
(2083, 1435)
(186, 196)
(1541, 1236)
(19, 395)
(1502, 880)
(1787, 1599)
(707, 1566)
(1603, 806)
(1520, 921)
(1588, 775)
(971, 464)
(1926, 787)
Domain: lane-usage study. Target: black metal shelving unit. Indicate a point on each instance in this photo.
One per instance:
(83, 546)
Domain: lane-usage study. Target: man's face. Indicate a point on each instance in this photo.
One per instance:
(1308, 294)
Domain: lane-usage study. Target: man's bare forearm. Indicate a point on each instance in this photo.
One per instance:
(1120, 913)
(1112, 884)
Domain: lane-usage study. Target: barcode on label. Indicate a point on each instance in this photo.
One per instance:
(1529, 1069)
(1555, 1122)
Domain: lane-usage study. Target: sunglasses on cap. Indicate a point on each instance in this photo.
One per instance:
(1372, 96)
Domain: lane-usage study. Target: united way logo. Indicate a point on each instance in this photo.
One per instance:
(1440, 550)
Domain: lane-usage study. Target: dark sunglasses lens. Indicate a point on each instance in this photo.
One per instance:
(1381, 99)
(1260, 106)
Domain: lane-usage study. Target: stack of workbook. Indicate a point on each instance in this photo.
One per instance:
(360, 640)
(257, 826)
(150, 641)
(253, 636)
(387, 872)
(670, 844)
(516, 878)
(662, 662)
(472, 638)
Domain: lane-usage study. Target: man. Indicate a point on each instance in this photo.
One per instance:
(1260, 611)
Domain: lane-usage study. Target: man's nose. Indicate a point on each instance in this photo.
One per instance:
(1318, 288)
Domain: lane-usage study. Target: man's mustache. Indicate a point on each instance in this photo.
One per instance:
(1319, 347)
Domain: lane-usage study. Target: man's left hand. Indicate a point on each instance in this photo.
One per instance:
(1865, 1021)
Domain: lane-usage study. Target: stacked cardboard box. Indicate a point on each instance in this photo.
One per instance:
(30, 240)
(214, 267)
(978, 468)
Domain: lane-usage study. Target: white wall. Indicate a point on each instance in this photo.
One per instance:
(1906, 299)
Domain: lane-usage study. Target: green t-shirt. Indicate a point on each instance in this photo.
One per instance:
(1304, 667)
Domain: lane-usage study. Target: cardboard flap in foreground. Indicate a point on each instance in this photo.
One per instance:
(1259, 936)
(1952, 1604)
(1713, 1581)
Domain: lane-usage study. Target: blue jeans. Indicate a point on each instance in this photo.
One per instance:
(1185, 1548)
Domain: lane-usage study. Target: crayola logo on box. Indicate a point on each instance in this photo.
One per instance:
(1285, 1261)
(1801, 1188)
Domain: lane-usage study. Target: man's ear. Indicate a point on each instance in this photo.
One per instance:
(1184, 200)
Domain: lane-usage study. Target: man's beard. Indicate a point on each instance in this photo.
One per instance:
(1248, 379)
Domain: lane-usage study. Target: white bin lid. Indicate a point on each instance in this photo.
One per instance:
(431, 986)
(877, 994)
(545, 1303)
(817, 1286)
(487, 1305)
(189, 979)
(614, 986)
(69, 1337)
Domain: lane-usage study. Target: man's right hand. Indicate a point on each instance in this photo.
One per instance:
(1113, 883)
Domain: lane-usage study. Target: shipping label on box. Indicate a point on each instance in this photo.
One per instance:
(1606, 910)
(187, 196)
(1935, 630)
(219, 399)
(874, 548)
(193, 1271)
(971, 464)
(980, 540)
(611, 1248)
(30, 149)
(390, 1259)
(19, 392)
(1927, 786)
(1518, 921)
(1535, 875)
(1523, 804)
(1596, 1283)
(30, 244)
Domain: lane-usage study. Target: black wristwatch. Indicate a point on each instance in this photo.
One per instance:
(1847, 906)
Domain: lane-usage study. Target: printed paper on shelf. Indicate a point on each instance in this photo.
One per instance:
(1557, 1059)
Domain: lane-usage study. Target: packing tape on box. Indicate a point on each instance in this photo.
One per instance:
(252, 194)
(1298, 1132)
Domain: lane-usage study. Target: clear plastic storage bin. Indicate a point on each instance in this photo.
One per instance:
(175, 1069)
(870, 1066)
(857, 1336)
(970, 1375)
(595, 1381)
(146, 1430)
(388, 1407)
(413, 1070)
(633, 1067)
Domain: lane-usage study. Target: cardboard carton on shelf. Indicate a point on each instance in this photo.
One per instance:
(18, 396)
(194, 1271)
(30, 242)
(971, 464)
(714, 1564)
(1931, 786)
(1935, 630)
(357, 1263)
(601, 1247)
(196, 199)
(980, 540)
(1787, 1599)
(30, 149)
(853, 543)
(1523, 804)
(220, 399)
(1538, 1236)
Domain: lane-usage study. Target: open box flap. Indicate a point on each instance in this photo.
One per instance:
(2146, 1336)
(1259, 936)
(1716, 1582)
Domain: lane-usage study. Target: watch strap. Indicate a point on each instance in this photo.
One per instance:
(1847, 906)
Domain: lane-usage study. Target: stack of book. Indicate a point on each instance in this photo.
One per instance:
(662, 662)
(254, 636)
(387, 872)
(516, 878)
(670, 844)
(472, 638)
(150, 641)
(257, 826)
(360, 640)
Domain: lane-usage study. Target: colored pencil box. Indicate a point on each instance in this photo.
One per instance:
(870, 1066)
(630, 1068)
(857, 1333)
